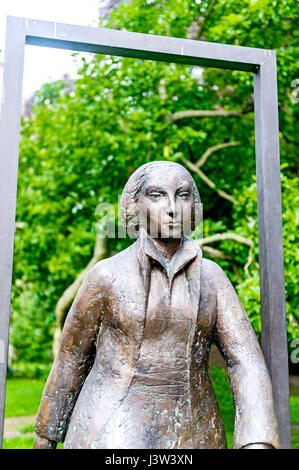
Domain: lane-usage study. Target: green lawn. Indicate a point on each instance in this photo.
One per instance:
(23, 397)
(18, 443)
(294, 404)
(225, 401)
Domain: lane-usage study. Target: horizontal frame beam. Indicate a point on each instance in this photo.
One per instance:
(143, 46)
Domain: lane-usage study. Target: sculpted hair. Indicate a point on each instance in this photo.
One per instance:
(131, 191)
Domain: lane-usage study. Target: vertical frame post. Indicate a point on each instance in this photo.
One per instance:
(9, 138)
(273, 314)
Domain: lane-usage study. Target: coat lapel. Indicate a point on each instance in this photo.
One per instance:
(189, 256)
(193, 273)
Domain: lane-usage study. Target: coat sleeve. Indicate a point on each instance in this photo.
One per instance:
(255, 418)
(73, 361)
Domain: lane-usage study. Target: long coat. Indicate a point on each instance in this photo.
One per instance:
(132, 368)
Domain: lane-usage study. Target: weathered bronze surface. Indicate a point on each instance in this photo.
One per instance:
(132, 368)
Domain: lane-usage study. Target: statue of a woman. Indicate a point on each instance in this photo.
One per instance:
(132, 368)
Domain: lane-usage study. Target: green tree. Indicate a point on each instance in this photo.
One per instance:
(80, 145)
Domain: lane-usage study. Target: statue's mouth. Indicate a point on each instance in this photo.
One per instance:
(174, 224)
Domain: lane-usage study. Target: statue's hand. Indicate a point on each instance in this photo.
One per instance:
(258, 446)
(43, 443)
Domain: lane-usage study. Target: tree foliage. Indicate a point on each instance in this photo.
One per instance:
(82, 142)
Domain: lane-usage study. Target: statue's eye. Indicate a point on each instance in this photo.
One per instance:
(184, 194)
(155, 195)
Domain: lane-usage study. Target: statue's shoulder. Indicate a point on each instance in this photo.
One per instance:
(106, 270)
(211, 272)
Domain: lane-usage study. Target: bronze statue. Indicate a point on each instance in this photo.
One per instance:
(132, 368)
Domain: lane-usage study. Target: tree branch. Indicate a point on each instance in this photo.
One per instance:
(207, 180)
(249, 260)
(203, 113)
(20, 225)
(237, 272)
(227, 236)
(213, 149)
(162, 90)
(215, 253)
(202, 24)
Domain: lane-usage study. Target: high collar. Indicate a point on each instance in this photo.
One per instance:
(188, 256)
(148, 250)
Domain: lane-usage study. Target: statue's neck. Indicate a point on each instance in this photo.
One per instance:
(167, 247)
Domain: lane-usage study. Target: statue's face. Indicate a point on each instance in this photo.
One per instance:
(166, 202)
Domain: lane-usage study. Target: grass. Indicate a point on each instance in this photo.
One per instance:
(18, 443)
(225, 401)
(294, 404)
(21, 443)
(23, 397)
(27, 429)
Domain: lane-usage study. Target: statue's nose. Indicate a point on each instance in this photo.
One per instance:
(171, 209)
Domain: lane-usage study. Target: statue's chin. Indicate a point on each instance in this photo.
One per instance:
(177, 235)
(168, 233)
(167, 237)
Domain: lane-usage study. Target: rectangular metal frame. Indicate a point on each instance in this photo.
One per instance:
(262, 63)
